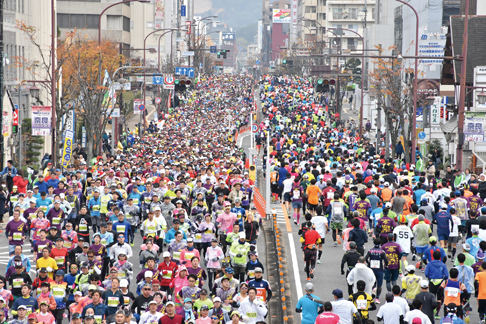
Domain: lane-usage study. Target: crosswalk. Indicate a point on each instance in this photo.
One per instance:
(5, 257)
(280, 214)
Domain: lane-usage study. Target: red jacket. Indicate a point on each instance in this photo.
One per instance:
(21, 184)
(167, 272)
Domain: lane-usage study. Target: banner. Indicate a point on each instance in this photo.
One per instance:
(68, 149)
(281, 16)
(136, 104)
(159, 14)
(41, 120)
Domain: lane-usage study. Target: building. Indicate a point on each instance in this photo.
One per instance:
(17, 48)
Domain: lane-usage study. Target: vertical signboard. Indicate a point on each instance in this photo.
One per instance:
(41, 120)
(159, 14)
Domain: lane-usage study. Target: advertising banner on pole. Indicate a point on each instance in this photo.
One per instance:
(281, 16)
(41, 120)
(159, 14)
(67, 151)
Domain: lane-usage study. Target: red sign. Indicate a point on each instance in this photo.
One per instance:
(188, 25)
(15, 118)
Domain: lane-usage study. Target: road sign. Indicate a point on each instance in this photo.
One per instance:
(257, 62)
(169, 86)
(187, 53)
(157, 79)
(254, 128)
(422, 135)
(115, 112)
(212, 49)
(200, 65)
(141, 107)
(185, 71)
(183, 11)
(158, 100)
(169, 80)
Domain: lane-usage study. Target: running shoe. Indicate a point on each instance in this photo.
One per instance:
(319, 261)
(308, 279)
(312, 273)
(377, 301)
(414, 257)
(295, 221)
(335, 244)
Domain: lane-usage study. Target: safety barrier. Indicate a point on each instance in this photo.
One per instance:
(240, 131)
(277, 245)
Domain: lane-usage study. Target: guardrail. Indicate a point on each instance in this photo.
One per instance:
(277, 245)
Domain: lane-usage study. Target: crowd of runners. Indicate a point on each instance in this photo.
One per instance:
(181, 186)
(417, 231)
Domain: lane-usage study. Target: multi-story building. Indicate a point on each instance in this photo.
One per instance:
(19, 54)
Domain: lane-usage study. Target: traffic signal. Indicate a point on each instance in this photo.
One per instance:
(15, 129)
(180, 85)
(224, 54)
(284, 62)
(323, 85)
(219, 54)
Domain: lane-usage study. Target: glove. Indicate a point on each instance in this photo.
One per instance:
(49, 269)
(214, 259)
(342, 272)
(70, 238)
(239, 255)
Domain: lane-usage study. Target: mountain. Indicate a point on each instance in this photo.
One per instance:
(235, 13)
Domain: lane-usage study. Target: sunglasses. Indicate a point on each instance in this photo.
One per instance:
(214, 318)
(146, 289)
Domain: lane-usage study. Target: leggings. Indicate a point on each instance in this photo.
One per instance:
(310, 260)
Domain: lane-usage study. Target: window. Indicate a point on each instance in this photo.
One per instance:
(92, 21)
(352, 44)
(337, 13)
(353, 27)
(321, 2)
(150, 24)
(63, 20)
(337, 31)
(77, 21)
(114, 22)
(321, 16)
(310, 9)
(126, 24)
(353, 13)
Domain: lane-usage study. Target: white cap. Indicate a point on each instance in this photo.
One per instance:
(424, 283)
(148, 274)
(373, 190)
(410, 268)
(124, 283)
(216, 299)
(242, 235)
(386, 184)
(166, 254)
(388, 205)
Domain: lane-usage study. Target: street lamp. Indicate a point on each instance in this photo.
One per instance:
(482, 98)
(430, 100)
(415, 79)
(117, 3)
(34, 92)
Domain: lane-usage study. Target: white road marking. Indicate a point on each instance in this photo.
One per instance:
(240, 138)
(295, 266)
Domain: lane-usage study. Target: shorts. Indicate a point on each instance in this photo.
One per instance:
(274, 188)
(310, 255)
(420, 249)
(403, 254)
(379, 277)
(453, 239)
(297, 204)
(11, 249)
(311, 206)
(443, 236)
(258, 147)
(391, 275)
(287, 196)
(338, 226)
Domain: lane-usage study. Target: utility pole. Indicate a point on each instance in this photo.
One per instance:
(2, 85)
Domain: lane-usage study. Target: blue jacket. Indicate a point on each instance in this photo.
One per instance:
(53, 182)
(25, 262)
(436, 269)
(42, 186)
(100, 309)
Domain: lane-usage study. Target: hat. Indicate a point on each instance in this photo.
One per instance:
(466, 246)
(388, 205)
(187, 299)
(45, 302)
(338, 293)
(242, 235)
(189, 239)
(205, 307)
(229, 270)
(258, 269)
(474, 230)
(113, 269)
(86, 244)
(78, 293)
(154, 302)
(89, 316)
(22, 307)
(166, 254)
(203, 292)
(216, 299)
(43, 270)
(386, 184)
(84, 264)
(171, 303)
(75, 315)
(179, 202)
(32, 316)
(432, 239)
(309, 287)
(124, 283)
(148, 274)
(410, 268)
(60, 273)
(424, 283)
(92, 287)
(443, 206)
(227, 204)
(60, 239)
(214, 239)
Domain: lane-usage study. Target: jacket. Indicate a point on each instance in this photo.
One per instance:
(359, 236)
(436, 269)
(21, 184)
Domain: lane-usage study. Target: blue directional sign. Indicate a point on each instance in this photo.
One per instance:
(212, 49)
(185, 71)
(200, 65)
(257, 62)
(158, 80)
(422, 135)
(183, 11)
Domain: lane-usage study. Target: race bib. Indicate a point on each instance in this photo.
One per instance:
(113, 301)
(251, 315)
(297, 194)
(72, 204)
(104, 242)
(60, 260)
(361, 303)
(56, 291)
(251, 273)
(43, 208)
(188, 256)
(176, 255)
(17, 283)
(33, 215)
(330, 195)
(68, 244)
(40, 247)
(17, 236)
(56, 221)
(135, 201)
(147, 200)
(374, 264)
(151, 228)
(96, 207)
(208, 231)
(453, 292)
(227, 307)
(198, 236)
(83, 227)
(98, 319)
(120, 228)
(121, 274)
(167, 275)
(126, 300)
